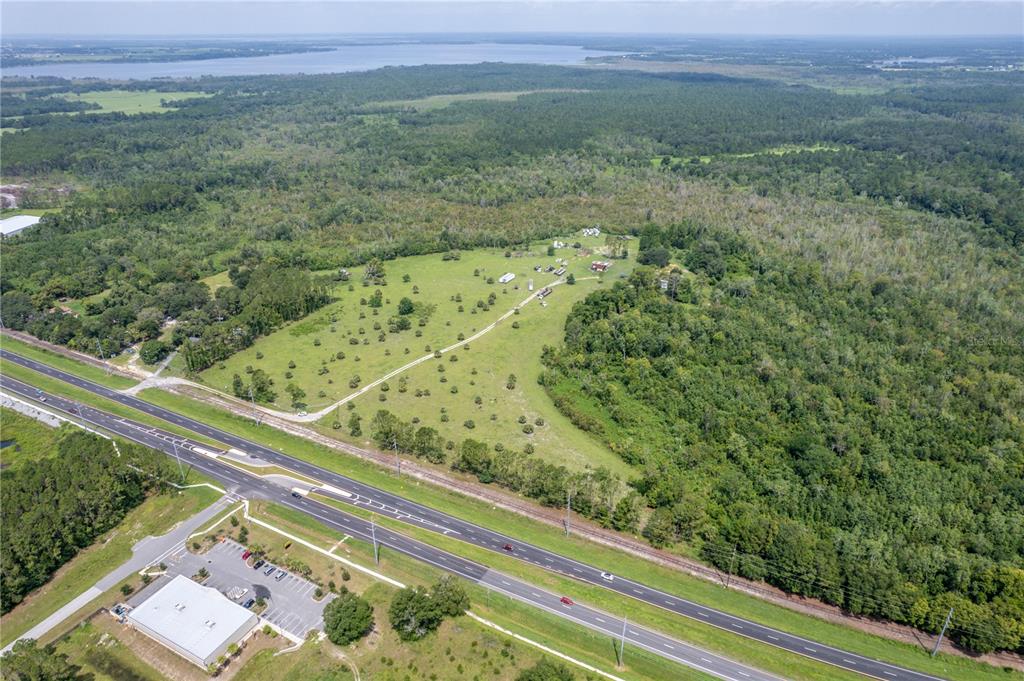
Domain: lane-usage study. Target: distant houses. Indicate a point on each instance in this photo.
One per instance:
(600, 266)
(591, 231)
(560, 271)
(505, 278)
(544, 292)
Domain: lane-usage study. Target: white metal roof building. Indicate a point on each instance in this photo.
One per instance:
(13, 225)
(194, 621)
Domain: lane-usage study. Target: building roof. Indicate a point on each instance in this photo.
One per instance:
(15, 224)
(195, 618)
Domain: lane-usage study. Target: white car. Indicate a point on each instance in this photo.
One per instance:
(607, 576)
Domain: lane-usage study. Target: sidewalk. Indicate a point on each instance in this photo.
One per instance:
(147, 551)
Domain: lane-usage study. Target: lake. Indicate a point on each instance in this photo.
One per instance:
(347, 58)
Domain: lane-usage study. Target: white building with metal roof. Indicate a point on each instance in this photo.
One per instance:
(194, 621)
(13, 225)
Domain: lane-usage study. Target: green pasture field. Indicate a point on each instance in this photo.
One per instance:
(131, 101)
(483, 372)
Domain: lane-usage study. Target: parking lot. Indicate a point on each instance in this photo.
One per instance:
(290, 602)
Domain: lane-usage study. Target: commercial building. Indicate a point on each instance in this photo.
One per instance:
(194, 621)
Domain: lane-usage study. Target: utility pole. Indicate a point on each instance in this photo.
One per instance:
(942, 633)
(568, 511)
(255, 412)
(398, 459)
(174, 444)
(373, 535)
(732, 567)
(99, 347)
(622, 644)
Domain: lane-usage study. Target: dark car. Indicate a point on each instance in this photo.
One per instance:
(249, 603)
(507, 547)
(566, 600)
(258, 564)
(296, 495)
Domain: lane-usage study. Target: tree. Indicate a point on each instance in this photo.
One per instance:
(405, 306)
(413, 614)
(296, 393)
(626, 517)
(26, 661)
(571, 279)
(450, 596)
(347, 618)
(153, 351)
(354, 427)
(658, 257)
(374, 272)
(510, 382)
(546, 670)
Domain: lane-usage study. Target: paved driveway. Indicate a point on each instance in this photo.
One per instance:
(290, 602)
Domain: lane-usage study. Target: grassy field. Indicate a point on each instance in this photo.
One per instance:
(93, 373)
(24, 439)
(549, 537)
(91, 646)
(481, 371)
(155, 516)
(130, 101)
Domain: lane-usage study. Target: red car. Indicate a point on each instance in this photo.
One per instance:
(507, 547)
(566, 600)
(245, 556)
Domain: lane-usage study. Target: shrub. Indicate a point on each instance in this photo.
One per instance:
(469, 424)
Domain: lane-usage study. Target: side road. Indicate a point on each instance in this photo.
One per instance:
(147, 551)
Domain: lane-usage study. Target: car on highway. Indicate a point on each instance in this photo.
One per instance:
(565, 600)
(269, 571)
(507, 547)
(249, 603)
(280, 575)
(607, 576)
(258, 564)
(245, 556)
(296, 495)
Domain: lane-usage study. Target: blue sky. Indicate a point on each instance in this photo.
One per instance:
(751, 17)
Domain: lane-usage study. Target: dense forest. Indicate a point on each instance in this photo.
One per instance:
(818, 374)
(849, 439)
(56, 506)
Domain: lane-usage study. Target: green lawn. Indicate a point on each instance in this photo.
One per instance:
(24, 438)
(130, 101)
(155, 516)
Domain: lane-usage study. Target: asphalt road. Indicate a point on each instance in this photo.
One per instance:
(385, 503)
(245, 485)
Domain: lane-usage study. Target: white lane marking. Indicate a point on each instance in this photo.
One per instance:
(670, 647)
(774, 638)
(810, 650)
(737, 625)
(849, 661)
(743, 673)
(702, 613)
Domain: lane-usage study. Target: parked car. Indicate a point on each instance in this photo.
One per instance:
(249, 603)
(270, 570)
(258, 564)
(245, 556)
(280, 575)
(566, 600)
(607, 576)
(507, 547)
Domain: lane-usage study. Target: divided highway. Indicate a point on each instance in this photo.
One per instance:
(245, 485)
(359, 494)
